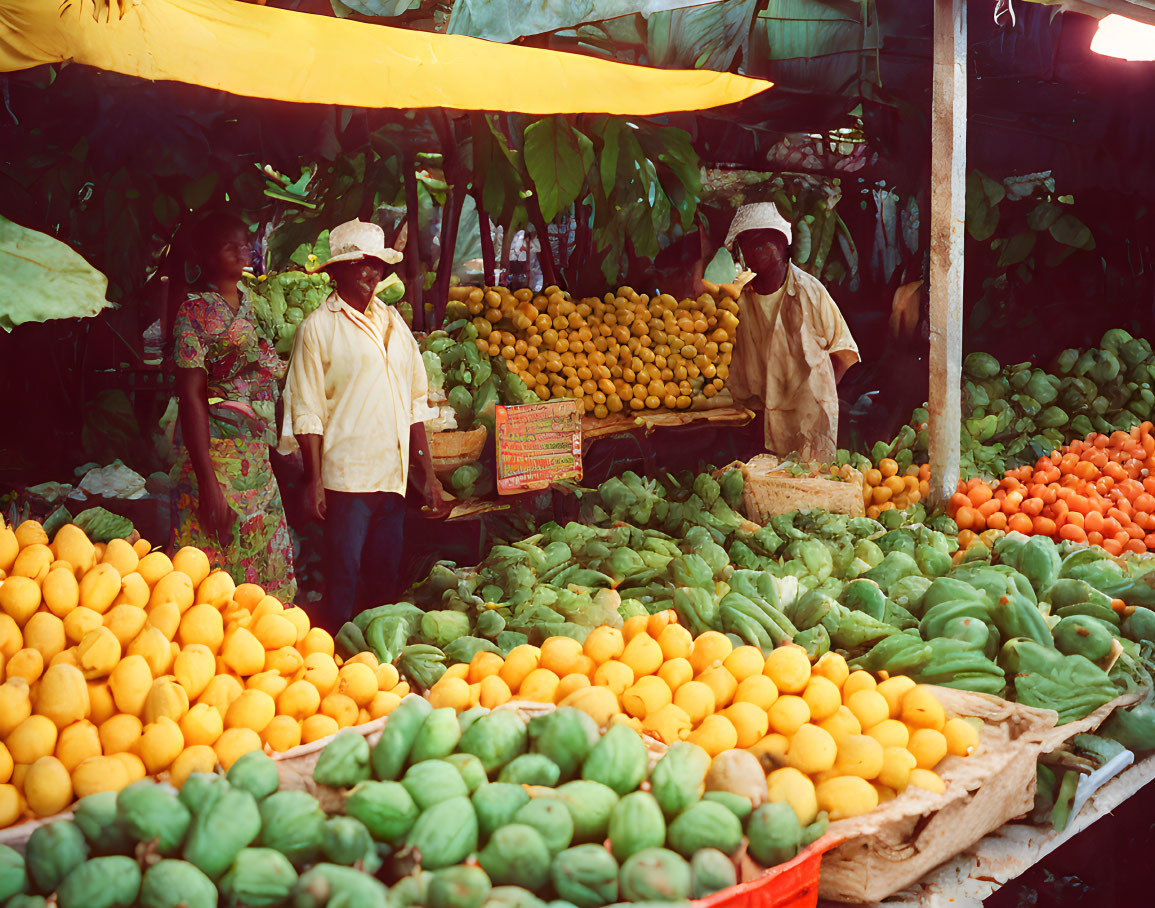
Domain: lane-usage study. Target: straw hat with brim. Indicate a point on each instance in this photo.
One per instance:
(357, 240)
(758, 216)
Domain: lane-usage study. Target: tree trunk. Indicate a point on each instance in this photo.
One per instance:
(488, 257)
(413, 270)
(548, 266)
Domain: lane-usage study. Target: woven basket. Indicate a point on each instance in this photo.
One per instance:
(769, 492)
(455, 445)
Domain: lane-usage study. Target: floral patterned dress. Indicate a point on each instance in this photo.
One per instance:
(243, 373)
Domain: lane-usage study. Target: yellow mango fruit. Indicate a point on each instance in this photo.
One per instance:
(722, 683)
(100, 587)
(710, 649)
(216, 589)
(19, 598)
(791, 786)
(72, 545)
(47, 787)
(388, 677)
(31, 532)
(833, 667)
(194, 758)
(62, 695)
(676, 672)
(202, 724)
(98, 653)
(242, 652)
(156, 649)
(869, 707)
(32, 739)
(79, 622)
(6, 765)
(598, 703)
(846, 796)
(11, 805)
(894, 690)
(33, 563)
(494, 691)
(165, 618)
(484, 664)
(856, 681)
(897, 764)
(962, 736)
(540, 686)
(130, 683)
(358, 682)
(272, 683)
(234, 744)
(458, 670)
(301, 700)
(253, 709)
(925, 779)
(9, 549)
(714, 735)
(27, 664)
(340, 708)
(889, 733)
(120, 734)
(69, 656)
(299, 618)
(247, 595)
(97, 774)
(812, 750)
(125, 622)
(76, 743)
(696, 699)
(268, 605)
(659, 621)
(133, 765)
(676, 642)
(60, 591)
(121, 555)
(929, 746)
(603, 644)
(643, 655)
(823, 697)
(11, 640)
(447, 692)
(220, 692)
(631, 627)
(859, 755)
(789, 668)
(920, 708)
(142, 547)
(749, 721)
(565, 686)
(320, 670)
(318, 640)
(133, 591)
(275, 631)
(160, 743)
(193, 563)
(317, 727)
(287, 660)
(788, 714)
(518, 664)
(102, 706)
(615, 675)
(165, 698)
(153, 566)
(560, 655)
(283, 733)
(383, 703)
(669, 724)
(647, 695)
(194, 668)
(44, 632)
(175, 586)
(744, 662)
(203, 624)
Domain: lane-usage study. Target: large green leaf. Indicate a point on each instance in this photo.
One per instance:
(557, 158)
(508, 20)
(1017, 248)
(42, 278)
(702, 37)
(1070, 231)
(824, 46)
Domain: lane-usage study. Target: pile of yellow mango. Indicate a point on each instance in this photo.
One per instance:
(838, 739)
(120, 662)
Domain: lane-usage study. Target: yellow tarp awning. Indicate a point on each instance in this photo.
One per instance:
(264, 52)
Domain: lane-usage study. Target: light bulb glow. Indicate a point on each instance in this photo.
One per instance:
(1125, 38)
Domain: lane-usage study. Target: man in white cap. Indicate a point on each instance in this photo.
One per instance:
(356, 404)
(792, 345)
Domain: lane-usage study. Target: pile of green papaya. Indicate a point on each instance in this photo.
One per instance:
(233, 839)
(487, 808)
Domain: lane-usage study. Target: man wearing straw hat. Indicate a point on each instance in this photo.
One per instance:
(792, 345)
(356, 404)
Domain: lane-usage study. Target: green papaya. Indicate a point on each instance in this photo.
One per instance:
(226, 822)
(590, 805)
(1133, 728)
(1140, 625)
(386, 809)
(496, 803)
(1083, 635)
(705, 825)
(566, 736)
(551, 819)
(458, 887)
(333, 885)
(108, 882)
(495, 739)
(678, 777)
(512, 897)
(433, 781)
(22, 900)
(586, 876)
(516, 855)
(445, 834)
(95, 814)
(414, 889)
(739, 805)
(710, 872)
(467, 718)
(774, 833)
(636, 824)
(259, 878)
(347, 842)
(52, 852)
(531, 769)
(256, 773)
(345, 761)
(472, 772)
(619, 760)
(13, 873)
(437, 737)
(655, 875)
(176, 884)
(153, 813)
(293, 823)
(197, 788)
(864, 596)
(1038, 560)
(391, 751)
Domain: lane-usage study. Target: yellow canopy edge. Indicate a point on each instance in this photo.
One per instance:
(284, 55)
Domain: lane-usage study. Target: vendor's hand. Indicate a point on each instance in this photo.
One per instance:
(315, 499)
(215, 514)
(437, 503)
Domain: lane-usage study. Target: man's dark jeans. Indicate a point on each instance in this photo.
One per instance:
(363, 533)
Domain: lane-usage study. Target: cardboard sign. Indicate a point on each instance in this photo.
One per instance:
(538, 444)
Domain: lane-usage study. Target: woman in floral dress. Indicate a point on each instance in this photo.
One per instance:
(226, 498)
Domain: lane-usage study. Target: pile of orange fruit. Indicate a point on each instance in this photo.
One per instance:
(884, 489)
(1100, 490)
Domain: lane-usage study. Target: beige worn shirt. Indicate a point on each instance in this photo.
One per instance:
(358, 381)
(782, 362)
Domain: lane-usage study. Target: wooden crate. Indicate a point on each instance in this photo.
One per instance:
(769, 492)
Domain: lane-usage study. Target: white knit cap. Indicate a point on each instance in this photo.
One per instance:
(758, 216)
(356, 240)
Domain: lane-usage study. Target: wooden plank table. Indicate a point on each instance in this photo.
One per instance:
(1011, 851)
